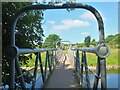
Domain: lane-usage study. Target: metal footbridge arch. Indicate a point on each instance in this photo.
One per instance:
(102, 50)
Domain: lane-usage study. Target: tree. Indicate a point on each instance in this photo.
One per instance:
(87, 41)
(109, 38)
(113, 40)
(29, 32)
(51, 41)
(93, 42)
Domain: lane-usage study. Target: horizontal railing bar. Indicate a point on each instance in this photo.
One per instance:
(100, 50)
(26, 51)
(14, 51)
(87, 49)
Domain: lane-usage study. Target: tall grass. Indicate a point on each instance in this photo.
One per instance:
(31, 61)
(112, 59)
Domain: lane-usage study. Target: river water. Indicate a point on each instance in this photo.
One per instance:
(112, 80)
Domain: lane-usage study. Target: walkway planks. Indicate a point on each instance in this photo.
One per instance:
(62, 76)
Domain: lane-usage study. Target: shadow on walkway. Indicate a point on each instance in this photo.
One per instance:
(62, 76)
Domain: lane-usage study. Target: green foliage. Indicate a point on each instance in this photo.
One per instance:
(109, 38)
(31, 61)
(29, 32)
(78, 45)
(65, 47)
(28, 78)
(87, 41)
(113, 41)
(112, 59)
(51, 41)
(94, 43)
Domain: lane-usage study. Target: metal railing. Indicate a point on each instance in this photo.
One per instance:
(80, 63)
(13, 51)
(45, 69)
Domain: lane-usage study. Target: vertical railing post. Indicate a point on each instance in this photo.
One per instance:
(46, 60)
(78, 60)
(41, 67)
(96, 80)
(82, 68)
(35, 70)
(86, 71)
(19, 72)
(103, 73)
(55, 58)
(52, 60)
(12, 74)
(78, 65)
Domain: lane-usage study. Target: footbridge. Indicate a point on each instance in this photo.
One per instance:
(58, 69)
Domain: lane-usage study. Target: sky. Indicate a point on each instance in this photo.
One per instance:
(74, 26)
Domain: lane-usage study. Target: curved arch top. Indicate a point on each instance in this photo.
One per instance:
(64, 6)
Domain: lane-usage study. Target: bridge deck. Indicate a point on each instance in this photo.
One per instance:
(62, 76)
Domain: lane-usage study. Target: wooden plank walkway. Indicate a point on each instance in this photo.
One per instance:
(62, 76)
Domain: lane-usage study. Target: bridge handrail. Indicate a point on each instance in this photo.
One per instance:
(100, 50)
(17, 51)
(51, 60)
(25, 51)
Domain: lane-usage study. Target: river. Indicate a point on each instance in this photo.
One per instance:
(112, 80)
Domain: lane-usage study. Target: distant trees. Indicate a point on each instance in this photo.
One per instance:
(113, 40)
(51, 41)
(87, 41)
(93, 42)
(109, 38)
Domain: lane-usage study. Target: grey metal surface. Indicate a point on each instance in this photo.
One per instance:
(19, 72)
(41, 68)
(96, 80)
(35, 70)
(101, 50)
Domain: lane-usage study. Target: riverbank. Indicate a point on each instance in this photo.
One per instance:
(108, 67)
